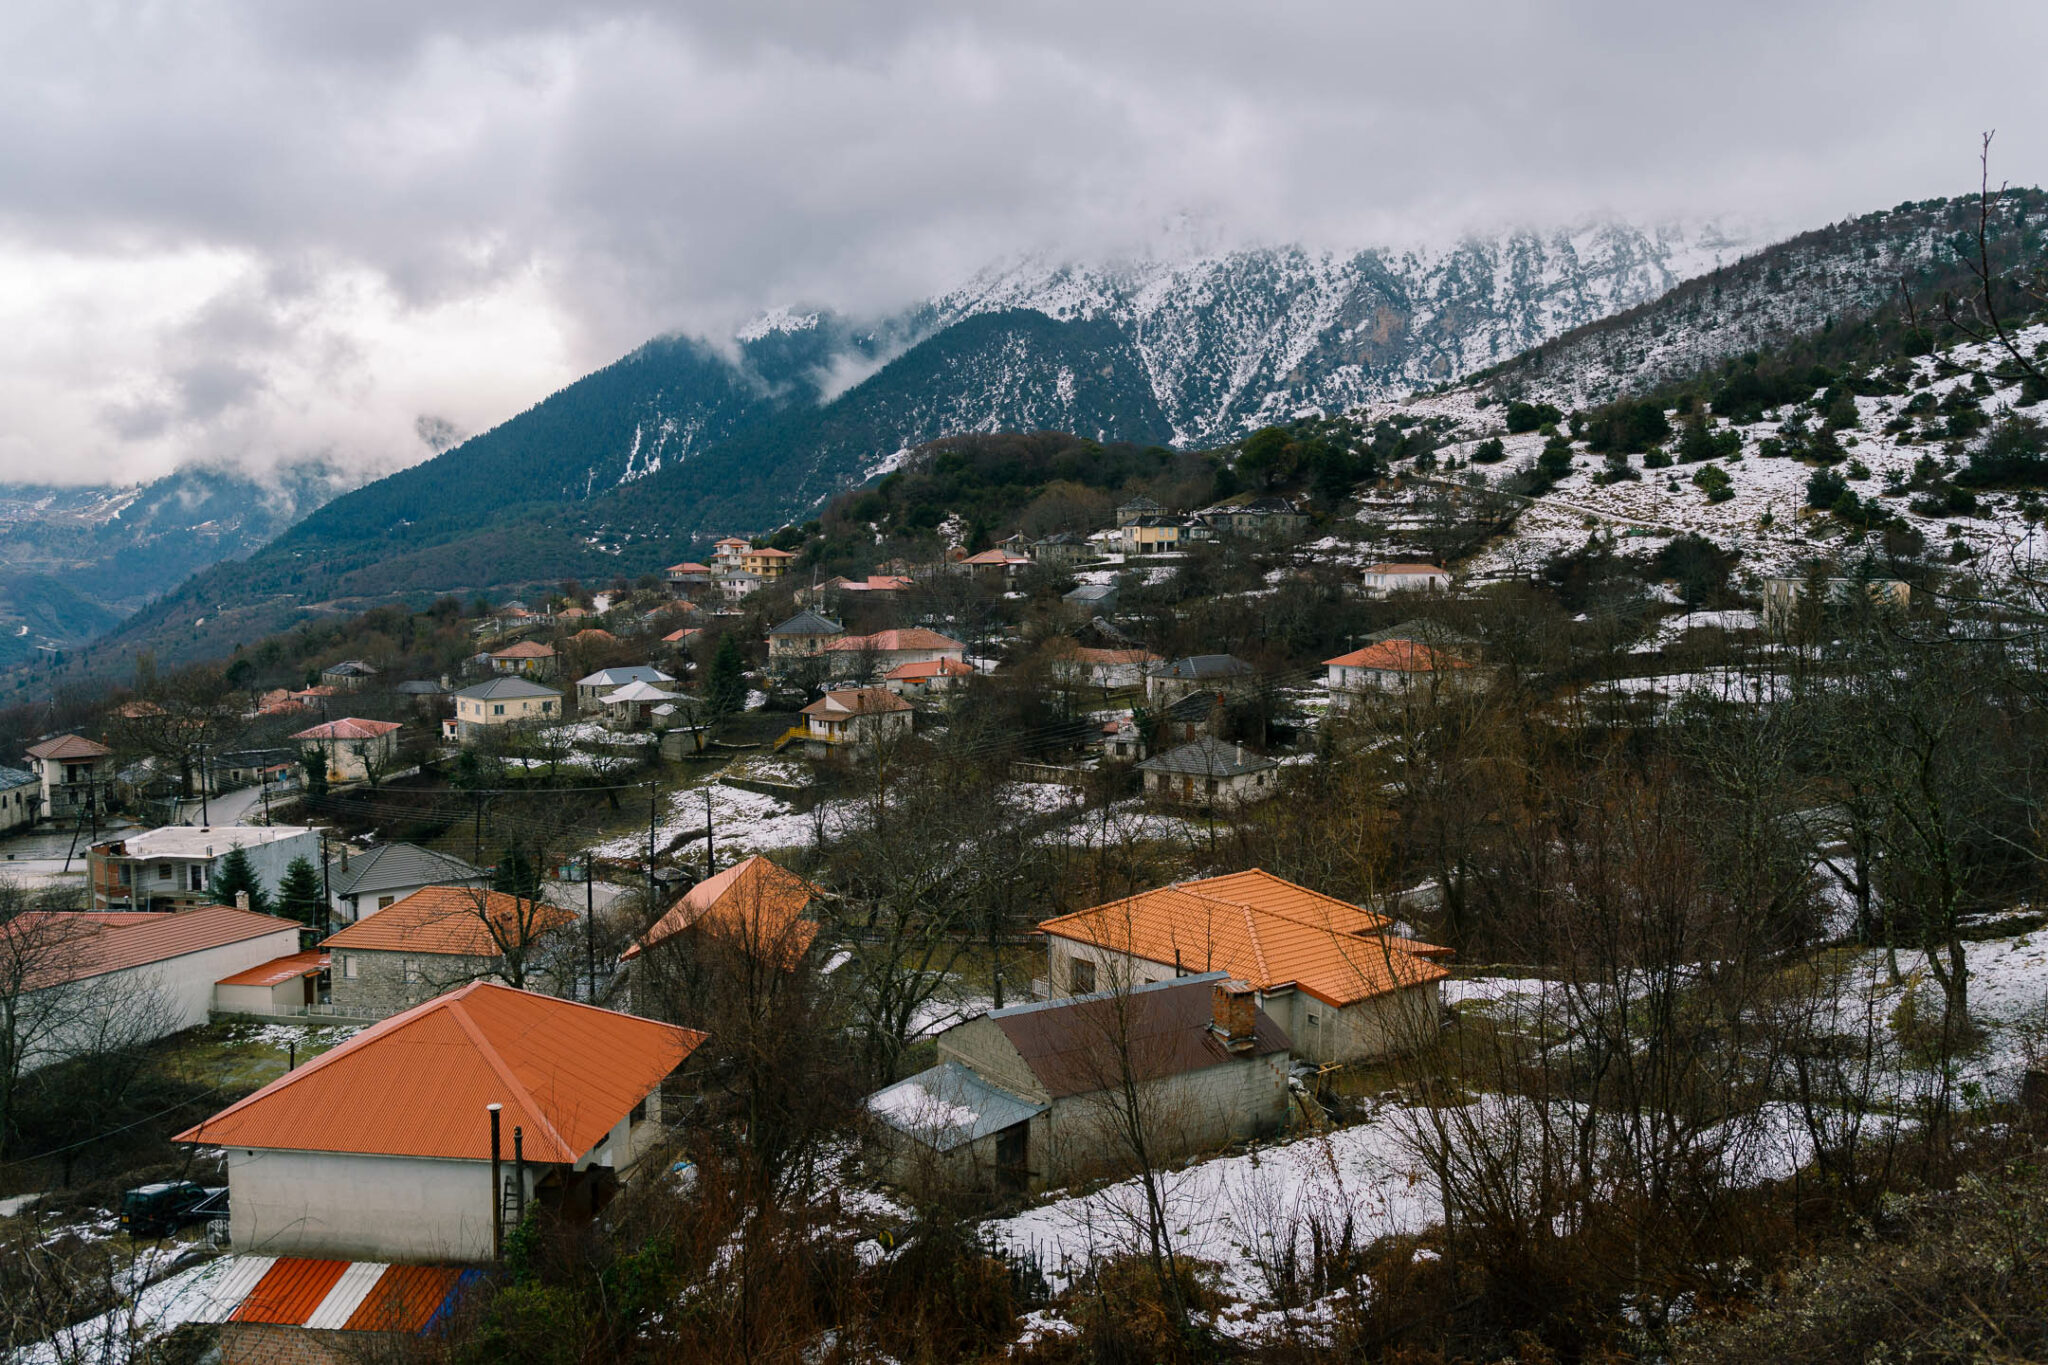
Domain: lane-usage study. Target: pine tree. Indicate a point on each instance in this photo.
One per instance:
(235, 875)
(516, 874)
(1696, 443)
(298, 894)
(725, 691)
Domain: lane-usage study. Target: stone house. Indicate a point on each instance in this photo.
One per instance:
(1209, 772)
(1078, 664)
(1168, 683)
(688, 580)
(1341, 980)
(353, 748)
(1140, 506)
(592, 689)
(437, 939)
(803, 636)
(1038, 1095)
(20, 799)
(350, 675)
(382, 1149)
(926, 680)
(1267, 518)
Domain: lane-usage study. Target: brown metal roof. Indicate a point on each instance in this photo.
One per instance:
(59, 946)
(1084, 1044)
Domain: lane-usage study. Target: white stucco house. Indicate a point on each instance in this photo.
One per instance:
(381, 1149)
(1382, 579)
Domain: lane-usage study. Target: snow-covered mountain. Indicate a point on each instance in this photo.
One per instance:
(1228, 342)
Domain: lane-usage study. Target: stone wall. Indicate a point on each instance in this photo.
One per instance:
(387, 982)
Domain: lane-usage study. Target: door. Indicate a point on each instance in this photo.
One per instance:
(1013, 1153)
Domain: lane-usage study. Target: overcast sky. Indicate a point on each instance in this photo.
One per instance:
(266, 230)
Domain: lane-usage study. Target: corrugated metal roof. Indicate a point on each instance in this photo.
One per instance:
(418, 1083)
(450, 919)
(242, 1274)
(410, 1298)
(290, 1292)
(94, 944)
(356, 1282)
(1084, 1044)
(392, 865)
(949, 1106)
(1262, 928)
(279, 970)
(756, 903)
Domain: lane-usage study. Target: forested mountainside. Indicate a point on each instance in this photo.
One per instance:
(75, 561)
(623, 470)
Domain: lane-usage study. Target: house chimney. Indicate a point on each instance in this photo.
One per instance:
(1240, 755)
(241, 900)
(1235, 1014)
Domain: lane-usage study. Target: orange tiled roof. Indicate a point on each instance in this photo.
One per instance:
(678, 636)
(417, 1084)
(755, 902)
(64, 945)
(914, 638)
(448, 919)
(855, 701)
(931, 668)
(279, 970)
(1263, 929)
(1398, 656)
(69, 747)
(1066, 648)
(525, 649)
(349, 727)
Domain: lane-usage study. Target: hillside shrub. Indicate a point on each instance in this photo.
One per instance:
(1825, 488)
(1525, 417)
(2015, 453)
(1627, 426)
(1489, 451)
(1715, 483)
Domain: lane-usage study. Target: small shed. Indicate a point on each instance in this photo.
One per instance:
(284, 985)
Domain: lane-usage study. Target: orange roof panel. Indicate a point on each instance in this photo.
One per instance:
(450, 919)
(405, 1299)
(277, 971)
(1263, 929)
(756, 903)
(1398, 656)
(418, 1083)
(290, 1291)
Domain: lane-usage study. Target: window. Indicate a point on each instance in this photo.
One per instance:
(497, 708)
(1081, 975)
(196, 880)
(546, 707)
(348, 966)
(123, 869)
(163, 872)
(412, 972)
(384, 902)
(640, 1112)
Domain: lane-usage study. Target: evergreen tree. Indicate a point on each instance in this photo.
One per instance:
(1695, 443)
(299, 896)
(235, 874)
(517, 874)
(725, 690)
(314, 761)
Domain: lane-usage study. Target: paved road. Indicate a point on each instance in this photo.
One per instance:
(230, 808)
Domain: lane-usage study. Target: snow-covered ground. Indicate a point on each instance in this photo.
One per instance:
(1766, 519)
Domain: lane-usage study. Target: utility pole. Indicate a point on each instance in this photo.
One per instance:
(710, 853)
(205, 811)
(326, 885)
(497, 1187)
(477, 849)
(653, 798)
(590, 924)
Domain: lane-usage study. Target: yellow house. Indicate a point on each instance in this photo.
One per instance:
(767, 563)
(504, 701)
(1150, 535)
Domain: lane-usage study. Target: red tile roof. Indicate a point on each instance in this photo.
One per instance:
(417, 1084)
(349, 727)
(72, 747)
(279, 970)
(881, 641)
(449, 919)
(1263, 929)
(1398, 656)
(855, 701)
(755, 903)
(932, 668)
(65, 946)
(525, 649)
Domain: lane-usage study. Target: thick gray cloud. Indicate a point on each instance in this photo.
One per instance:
(251, 230)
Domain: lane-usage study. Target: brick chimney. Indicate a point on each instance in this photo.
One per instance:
(1235, 1013)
